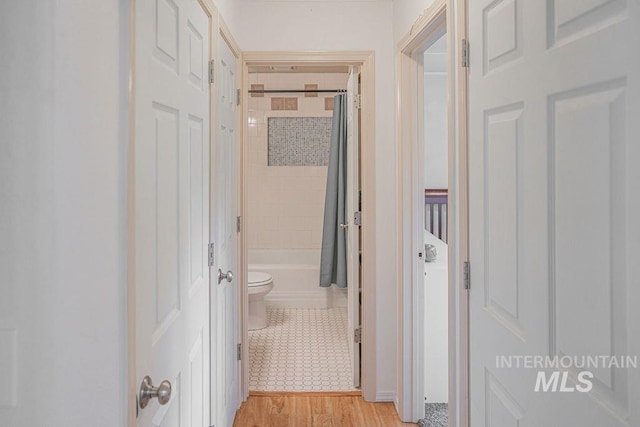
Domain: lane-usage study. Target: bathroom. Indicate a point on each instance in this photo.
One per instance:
(298, 341)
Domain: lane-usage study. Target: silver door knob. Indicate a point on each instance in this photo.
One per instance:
(344, 226)
(148, 392)
(221, 276)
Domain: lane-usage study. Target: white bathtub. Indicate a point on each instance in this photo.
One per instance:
(296, 274)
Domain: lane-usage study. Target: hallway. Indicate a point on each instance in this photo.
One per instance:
(126, 132)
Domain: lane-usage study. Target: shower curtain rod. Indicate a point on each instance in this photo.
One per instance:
(297, 91)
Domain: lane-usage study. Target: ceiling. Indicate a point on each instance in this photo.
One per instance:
(322, 1)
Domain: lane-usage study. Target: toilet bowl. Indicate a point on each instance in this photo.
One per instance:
(260, 284)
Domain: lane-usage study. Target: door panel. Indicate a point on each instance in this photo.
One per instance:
(227, 166)
(171, 213)
(551, 179)
(353, 231)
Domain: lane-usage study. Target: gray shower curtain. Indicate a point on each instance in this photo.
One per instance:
(333, 258)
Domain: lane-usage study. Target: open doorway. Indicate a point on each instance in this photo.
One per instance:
(435, 161)
(298, 333)
(299, 336)
(432, 244)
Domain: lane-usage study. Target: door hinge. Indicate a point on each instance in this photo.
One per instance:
(465, 53)
(237, 96)
(467, 275)
(211, 247)
(357, 335)
(357, 101)
(357, 218)
(238, 224)
(239, 355)
(212, 66)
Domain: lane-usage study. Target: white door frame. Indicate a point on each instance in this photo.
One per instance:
(364, 60)
(452, 14)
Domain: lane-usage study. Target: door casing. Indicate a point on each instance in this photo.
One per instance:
(449, 14)
(364, 60)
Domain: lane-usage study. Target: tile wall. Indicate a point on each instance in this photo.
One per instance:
(285, 203)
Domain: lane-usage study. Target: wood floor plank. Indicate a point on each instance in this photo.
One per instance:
(305, 393)
(316, 411)
(342, 411)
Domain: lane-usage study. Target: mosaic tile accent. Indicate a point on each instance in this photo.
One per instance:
(299, 141)
(302, 349)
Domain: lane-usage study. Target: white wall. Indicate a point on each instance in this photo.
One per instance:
(62, 221)
(230, 12)
(436, 105)
(435, 131)
(405, 13)
(339, 26)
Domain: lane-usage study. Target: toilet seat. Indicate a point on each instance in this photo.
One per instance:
(259, 278)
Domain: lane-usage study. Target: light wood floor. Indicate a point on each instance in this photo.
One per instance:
(315, 411)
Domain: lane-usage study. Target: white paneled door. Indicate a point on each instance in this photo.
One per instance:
(353, 230)
(554, 208)
(225, 292)
(171, 173)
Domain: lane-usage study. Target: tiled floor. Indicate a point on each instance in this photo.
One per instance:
(301, 350)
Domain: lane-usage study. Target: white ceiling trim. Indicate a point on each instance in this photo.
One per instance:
(318, 1)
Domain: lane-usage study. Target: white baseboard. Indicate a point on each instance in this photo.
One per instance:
(387, 396)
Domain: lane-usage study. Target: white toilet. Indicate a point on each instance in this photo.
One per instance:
(260, 284)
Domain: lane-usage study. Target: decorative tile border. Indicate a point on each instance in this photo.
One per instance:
(311, 87)
(291, 104)
(277, 103)
(257, 87)
(328, 104)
